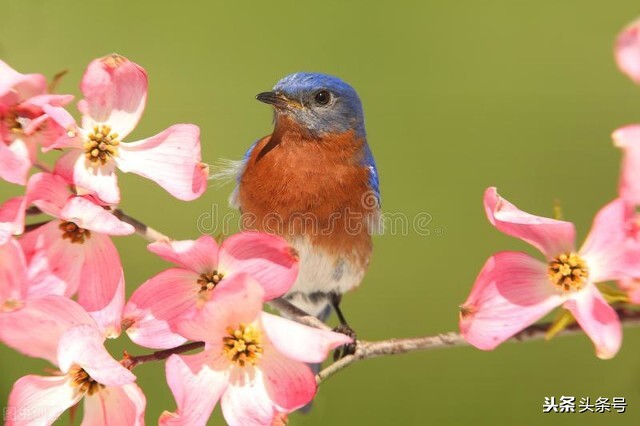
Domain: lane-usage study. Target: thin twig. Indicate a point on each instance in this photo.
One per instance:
(131, 362)
(296, 314)
(146, 232)
(365, 350)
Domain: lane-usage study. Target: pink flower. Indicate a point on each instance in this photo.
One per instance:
(12, 216)
(86, 371)
(631, 286)
(23, 123)
(205, 272)
(74, 253)
(115, 93)
(253, 362)
(514, 290)
(32, 320)
(628, 139)
(627, 51)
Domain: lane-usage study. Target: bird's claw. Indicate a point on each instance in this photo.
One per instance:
(349, 348)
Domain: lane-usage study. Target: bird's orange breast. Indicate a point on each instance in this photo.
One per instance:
(294, 185)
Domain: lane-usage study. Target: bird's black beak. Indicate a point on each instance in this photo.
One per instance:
(276, 99)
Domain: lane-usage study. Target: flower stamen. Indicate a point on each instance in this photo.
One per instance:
(568, 272)
(85, 384)
(13, 124)
(101, 144)
(73, 233)
(209, 281)
(243, 345)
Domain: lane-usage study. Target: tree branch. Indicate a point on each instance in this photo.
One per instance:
(365, 350)
(146, 232)
(131, 362)
(296, 314)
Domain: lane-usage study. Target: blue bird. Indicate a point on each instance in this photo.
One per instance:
(314, 181)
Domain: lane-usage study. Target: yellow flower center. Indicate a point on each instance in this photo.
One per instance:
(13, 124)
(11, 305)
(242, 345)
(80, 379)
(568, 272)
(73, 233)
(209, 281)
(101, 144)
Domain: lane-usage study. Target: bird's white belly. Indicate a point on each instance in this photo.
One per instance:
(320, 274)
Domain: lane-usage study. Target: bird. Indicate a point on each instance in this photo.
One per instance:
(314, 181)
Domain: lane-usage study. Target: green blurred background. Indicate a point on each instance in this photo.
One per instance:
(458, 95)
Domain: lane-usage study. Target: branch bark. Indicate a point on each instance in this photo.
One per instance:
(366, 350)
(146, 232)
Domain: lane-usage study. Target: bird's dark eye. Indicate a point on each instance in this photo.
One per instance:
(323, 97)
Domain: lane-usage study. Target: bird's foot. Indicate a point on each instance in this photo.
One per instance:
(349, 348)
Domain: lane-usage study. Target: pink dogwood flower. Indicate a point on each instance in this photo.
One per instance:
(74, 252)
(628, 139)
(12, 216)
(205, 272)
(627, 51)
(514, 290)
(23, 123)
(253, 362)
(31, 320)
(88, 372)
(115, 93)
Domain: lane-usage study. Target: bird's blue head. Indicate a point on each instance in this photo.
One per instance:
(319, 103)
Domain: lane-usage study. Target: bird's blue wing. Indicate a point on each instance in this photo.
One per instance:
(376, 225)
(374, 179)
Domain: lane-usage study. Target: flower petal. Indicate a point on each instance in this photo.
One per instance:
(37, 326)
(88, 215)
(115, 92)
(627, 51)
(156, 306)
(115, 406)
(552, 237)
(234, 302)
(13, 273)
(631, 286)
(608, 250)
(48, 192)
(55, 264)
(16, 87)
(290, 384)
(266, 258)
(599, 320)
(12, 216)
(197, 383)
(83, 345)
(300, 342)
(37, 400)
(172, 159)
(628, 139)
(69, 136)
(199, 256)
(101, 180)
(243, 388)
(511, 292)
(101, 285)
(14, 163)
